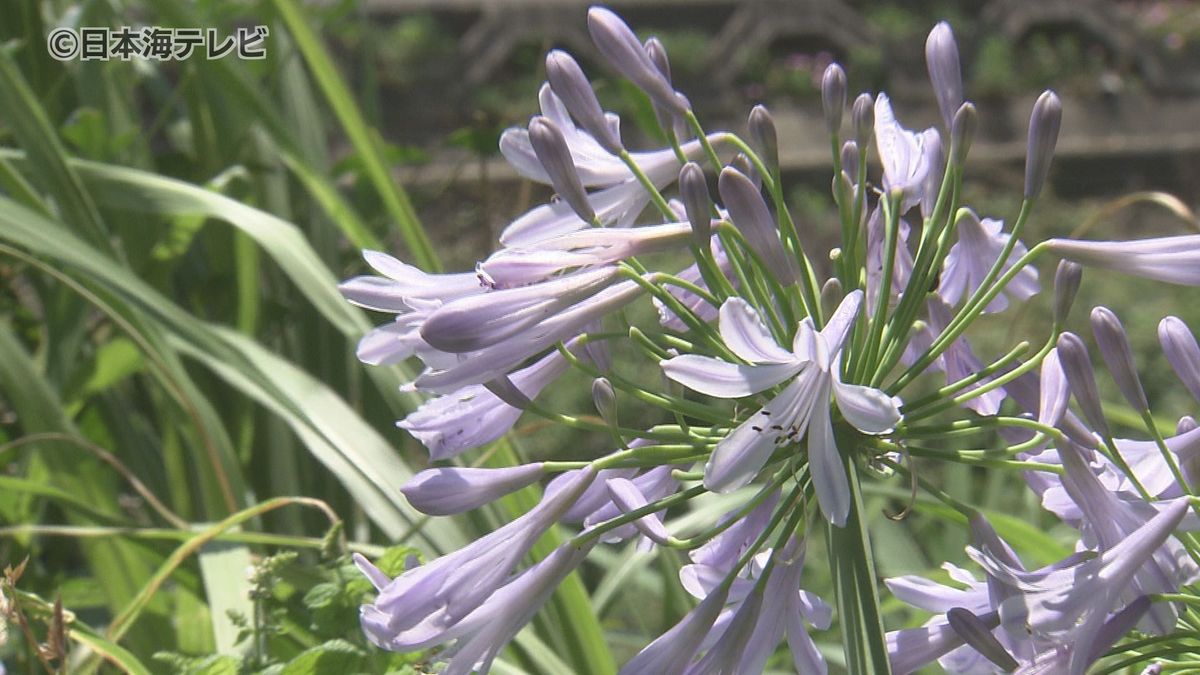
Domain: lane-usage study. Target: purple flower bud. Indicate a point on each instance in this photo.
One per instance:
(741, 163)
(1118, 355)
(750, 214)
(850, 159)
(478, 321)
(627, 497)
(1181, 350)
(1174, 260)
(576, 93)
(762, 132)
(833, 96)
(1077, 365)
(605, 399)
(1186, 424)
(693, 189)
(445, 491)
(1043, 135)
(962, 132)
(1066, 284)
(863, 114)
(621, 48)
(941, 57)
(552, 151)
(658, 55)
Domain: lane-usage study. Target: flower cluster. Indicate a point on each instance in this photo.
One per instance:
(799, 368)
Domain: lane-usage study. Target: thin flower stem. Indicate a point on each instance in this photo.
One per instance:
(965, 317)
(789, 234)
(891, 213)
(653, 507)
(709, 152)
(995, 366)
(655, 196)
(690, 408)
(1034, 362)
(700, 539)
(966, 511)
(750, 277)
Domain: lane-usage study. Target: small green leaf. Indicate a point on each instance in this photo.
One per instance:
(329, 658)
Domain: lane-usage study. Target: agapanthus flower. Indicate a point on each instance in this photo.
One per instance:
(794, 395)
(812, 373)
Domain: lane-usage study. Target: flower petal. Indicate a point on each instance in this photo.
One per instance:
(744, 333)
(869, 410)
(726, 380)
(825, 463)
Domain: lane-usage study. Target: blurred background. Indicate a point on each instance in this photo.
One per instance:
(174, 354)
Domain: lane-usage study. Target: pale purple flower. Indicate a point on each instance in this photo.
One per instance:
(941, 58)
(479, 636)
(621, 48)
(902, 264)
(1175, 260)
(1118, 356)
(672, 651)
(1070, 605)
(450, 371)
(1057, 612)
(750, 215)
(409, 293)
(445, 491)
(812, 372)
(1180, 348)
(415, 609)
(474, 416)
(524, 264)
(628, 497)
(979, 245)
(476, 322)
(1044, 122)
(833, 96)
(652, 485)
(1108, 518)
(907, 156)
(959, 360)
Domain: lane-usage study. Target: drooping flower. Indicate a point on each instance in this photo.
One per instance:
(1174, 260)
(812, 373)
(979, 245)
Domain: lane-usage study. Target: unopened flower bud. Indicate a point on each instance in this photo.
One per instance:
(625, 53)
(1186, 423)
(572, 87)
(1182, 352)
(658, 55)
(693, 189)
(445, 491)
(962, 132)
(1066, 284)
(850, 157)
(863, 114)
(605, 399)
(833, 96)
(1077, 365)
(551, 149)
(752, 217)
(1043, 135)
(977, 633)
(762, 132)
(1118, 355)
(941, 57)
(743, 164)
(831, 296)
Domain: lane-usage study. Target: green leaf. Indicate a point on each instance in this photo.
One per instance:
(223, 568)
(329, 658)
(365, 140)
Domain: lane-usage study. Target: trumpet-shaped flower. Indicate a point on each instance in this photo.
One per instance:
(979, 245)
(812, 373)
